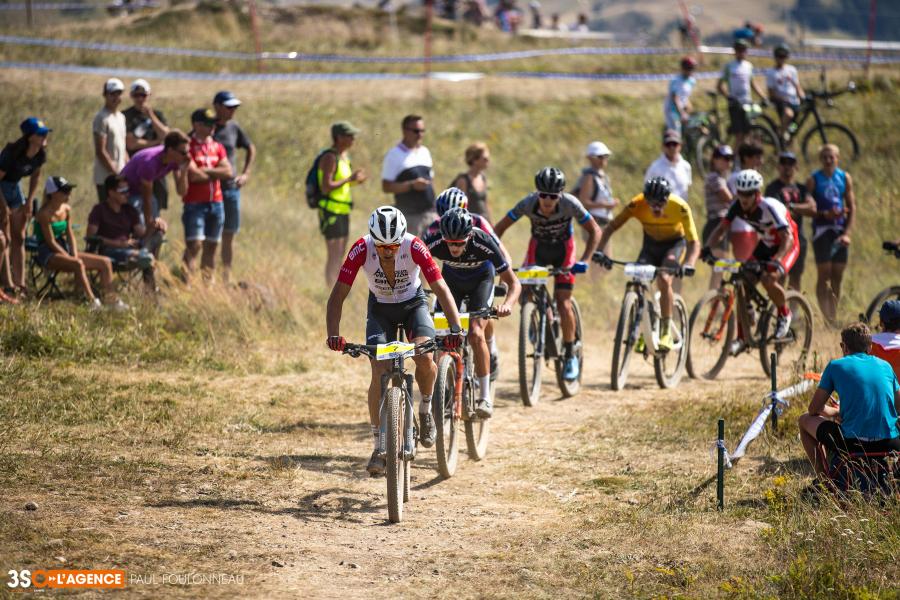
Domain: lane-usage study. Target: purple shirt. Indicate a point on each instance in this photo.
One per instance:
(146, 165)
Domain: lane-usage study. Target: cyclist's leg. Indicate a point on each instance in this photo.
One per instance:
(420, 328)
(563, 256)
(481, 296)
(379, 330)
(669, 256)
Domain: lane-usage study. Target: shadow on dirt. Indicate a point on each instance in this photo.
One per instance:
(333, 504)
(229, 503)
(346, 465)
(771, 466)
(359, 430)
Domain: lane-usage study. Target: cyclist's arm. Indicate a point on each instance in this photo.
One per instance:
(448, 304)
(693, 252)
(810, 193)
(335, 308)
(613, 226)
(594, 234)
(755, 87)
(785, 243)
(718, 233)
(849, 205)
(505, 223)
(513, 285)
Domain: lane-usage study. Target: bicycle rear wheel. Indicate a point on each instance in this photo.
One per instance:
(530, 366)
(712, 327)
(792, 350)
(570, 388)
(394, 409)
(443, 405)
(891, 293)
(766, 136)
(624, 347)
(831, 133)
(669, 367)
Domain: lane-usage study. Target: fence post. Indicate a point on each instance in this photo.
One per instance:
(773, 365)
(720, 474)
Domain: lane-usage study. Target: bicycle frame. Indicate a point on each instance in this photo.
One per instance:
(398, 377)
(744, 295)
(545, 303)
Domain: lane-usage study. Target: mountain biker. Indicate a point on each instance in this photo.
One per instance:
(777, 244)
(393, 259)
(551, 211)
(471, 258)
(783, 85)
(669, 232)
(677, 106)
(737, 85)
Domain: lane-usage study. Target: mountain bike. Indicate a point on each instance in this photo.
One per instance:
(398, 432)
(638, 328)
(890, 293)
(456, 391)
(737, 318)
(540, 335)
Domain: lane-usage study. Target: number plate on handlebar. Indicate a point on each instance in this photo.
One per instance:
(442, 325)
(725, 265)
(533, 275)
(640, 272)
(395, 350)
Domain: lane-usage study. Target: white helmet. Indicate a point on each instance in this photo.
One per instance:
(749, 180)
(387, 225)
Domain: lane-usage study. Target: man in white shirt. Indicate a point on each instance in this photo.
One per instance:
(671, 165)
(109, 131)
(784, 88)
(736, 83)
(408, 173)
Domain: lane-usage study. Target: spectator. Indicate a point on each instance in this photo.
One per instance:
(866, 420)
(593, 187)
(743, 236)
(508, 16)
(832, 189)
(232, 136)
(110, 153)
(886, 345)
(750, 33)
(537, 20)
(475, 12)
(677, 107)
(671, 166)
(718, 199)
(794, 196)
(581, 26)
(555, 23)
(335, 176)
(783, 85)
(204, 214)
(736, 83)
(58, 251)
(408, 173)
(145, 127)
(151, 164)
(473, 182)
(19, 159)
(122, 235)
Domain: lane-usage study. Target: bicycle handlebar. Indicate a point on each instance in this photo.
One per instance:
(677, 271)
(747, 265)
(370, 350)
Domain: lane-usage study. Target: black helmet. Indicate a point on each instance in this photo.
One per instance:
(782, 50)
(550, 180)
(456, 224)
(657, 190)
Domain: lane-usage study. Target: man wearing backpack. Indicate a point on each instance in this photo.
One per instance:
(333, 178)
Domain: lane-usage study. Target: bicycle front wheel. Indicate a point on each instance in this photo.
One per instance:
(792, 351)
(443, 406)
(669, 367)
(570, 388)
(394, 409)
(624, 346)
(891, 293)
(712, 327)
(531, 335)
(831, 133)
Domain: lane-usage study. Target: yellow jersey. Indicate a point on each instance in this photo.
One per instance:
(675, 222)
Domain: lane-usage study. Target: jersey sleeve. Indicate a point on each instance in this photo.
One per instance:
(732, 213)
(687, 221)
(432, 239)
(520, 209)
(625, 214)
(422, 257)
(243, 140)
(356, 258)
(779, 214)
(496, 257)
(577, 209)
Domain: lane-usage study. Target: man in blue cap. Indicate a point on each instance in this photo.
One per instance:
(229, 134)
(793, 195)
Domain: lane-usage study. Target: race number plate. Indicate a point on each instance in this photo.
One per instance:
(533, 275)
(442, 325)
(394, 350)
(726, 265)
(640, 272)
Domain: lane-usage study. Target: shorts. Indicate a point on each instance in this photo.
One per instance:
(12, 193)
(556, 254)
(710, 226)
(137, 201)
(383, 319)
(673, 121)
(478, 291)
(827, 249)
(203, 221)
(829, 434)
(740, 124)
(781, 105)
(657, 253)
(333, 226)
(141, 259)
(44, 252)
(231, 199)
(762, 252)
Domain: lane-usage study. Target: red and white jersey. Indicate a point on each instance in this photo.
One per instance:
(412, 258)
(886, 346)
(769, 218)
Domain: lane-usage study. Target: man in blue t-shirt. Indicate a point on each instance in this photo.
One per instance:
(866, 419)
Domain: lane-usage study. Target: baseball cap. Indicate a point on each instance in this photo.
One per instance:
(671, 136)
(724, 150)
(113, 84)
(207, 116)
(226, 98)
(33, 125)
(890, 312)
(57, 184)
(140, 84)
(343, 128)
(785, 156)
(597, 149)
(741, 44)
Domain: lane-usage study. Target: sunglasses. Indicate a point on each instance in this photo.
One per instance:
(387, 246)
(139, 94)
(548, 196)
(456, 243)
(184, 152)
(123, 190)
(672, 144)
(419, 131)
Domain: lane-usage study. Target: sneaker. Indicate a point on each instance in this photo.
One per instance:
(495, 366)
(639, 345)
(484, 409)
(118, 306)
(572, 370)
(95, 305)
(736, 347)
(783, 325)
(665, 342)
(428, 433)
(376, 465)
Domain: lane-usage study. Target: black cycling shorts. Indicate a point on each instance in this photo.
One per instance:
(739, 121)
(658, 254)
(477, 291)
(383, 319)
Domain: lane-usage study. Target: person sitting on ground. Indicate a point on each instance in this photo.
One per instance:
(866, 420)
(122, 236)
(58, 251)
(886, 345)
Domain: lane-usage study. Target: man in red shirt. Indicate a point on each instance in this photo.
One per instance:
(204, 214)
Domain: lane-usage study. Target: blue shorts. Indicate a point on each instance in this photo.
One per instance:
(232, 201)
(44, 252)
(12, 193)
(137, 201)
(203, 221)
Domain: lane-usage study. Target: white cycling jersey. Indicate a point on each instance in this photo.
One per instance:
(411, 258)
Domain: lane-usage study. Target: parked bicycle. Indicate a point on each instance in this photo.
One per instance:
(737, 318)
(455, 393)
(540, 335)
(889, 293)
(399, 426)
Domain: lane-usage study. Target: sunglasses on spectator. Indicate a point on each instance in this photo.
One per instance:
(456, 243)
(672, 144)
(547, 196)
(139, 94)
(388, 246)
(122, 190)
(787, 162)
(416, 130)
